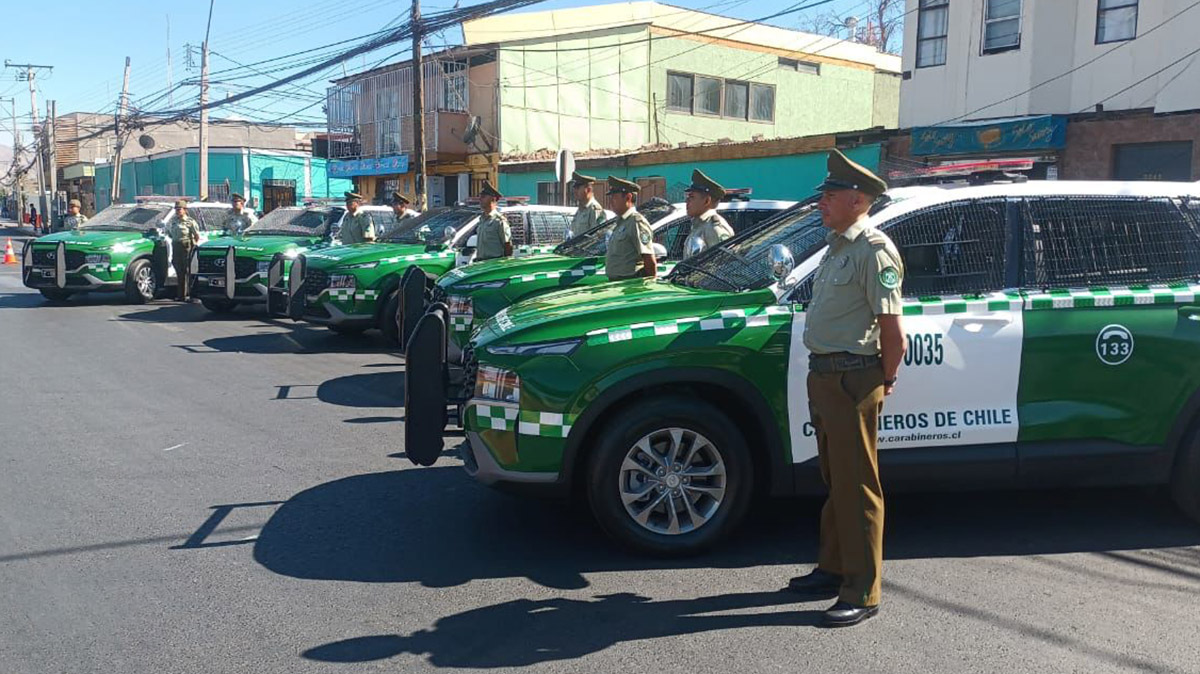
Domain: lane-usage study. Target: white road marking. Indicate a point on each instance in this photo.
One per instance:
(182, 444)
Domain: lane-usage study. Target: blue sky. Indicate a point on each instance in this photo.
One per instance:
(88, 60)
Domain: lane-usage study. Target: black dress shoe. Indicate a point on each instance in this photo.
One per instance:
(845, 614)
(816, 583)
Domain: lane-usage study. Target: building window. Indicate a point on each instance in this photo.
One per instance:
(1116, 20)
(762, 102)
(932, 23)
(708, 96)
(218, 191)
(1001, 25)
(454, 87)
(805, 67)
(679, 92)
(548, 193)
(737, 98)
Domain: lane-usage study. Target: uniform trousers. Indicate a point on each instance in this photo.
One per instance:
(181, 258)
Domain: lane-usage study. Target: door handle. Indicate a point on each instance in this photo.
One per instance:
(1190, 312)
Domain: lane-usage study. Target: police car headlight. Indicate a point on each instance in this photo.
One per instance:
(262, 266)
(94, 258)
(460, 304)
(497, 384)
(363, 265)
(559, 348)
(341, 281)
(483, 284)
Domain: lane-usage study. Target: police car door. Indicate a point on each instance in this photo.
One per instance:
(958, 382)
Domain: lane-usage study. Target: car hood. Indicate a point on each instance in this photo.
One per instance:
(82, 238)
(261, 246)
(360, 253)
(510, 267)
(576, 312)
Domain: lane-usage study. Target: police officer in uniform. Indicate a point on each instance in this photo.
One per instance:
(239, 217)
(493, 236)
(357, 225)
(630, 250)
(185, 235)
(74, 219)
(702, 198)
(856, 343)
(400, 206)
(590, 213)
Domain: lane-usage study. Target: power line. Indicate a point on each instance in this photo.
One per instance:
(1113, 95)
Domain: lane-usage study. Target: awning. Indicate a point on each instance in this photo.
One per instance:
(1012, 134)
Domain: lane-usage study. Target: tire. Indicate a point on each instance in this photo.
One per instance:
(1185, 478)
(660, 420)
(219, 306)
(55, 294)
(140, 283)
(348, 330)
(387, 320)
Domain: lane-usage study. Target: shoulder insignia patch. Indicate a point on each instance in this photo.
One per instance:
(645, 236)
(889, 277)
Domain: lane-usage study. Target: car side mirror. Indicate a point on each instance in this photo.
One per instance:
(472, 241)
(695, 244)
(448, 234)
(781, 261)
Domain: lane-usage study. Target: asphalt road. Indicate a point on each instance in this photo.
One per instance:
(186, 493)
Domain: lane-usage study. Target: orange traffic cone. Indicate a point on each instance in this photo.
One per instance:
(9, 256)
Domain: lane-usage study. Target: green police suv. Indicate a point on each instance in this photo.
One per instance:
(477, 292)
(232, 270)
(121, 249)
(1053, 340)
(354, 288)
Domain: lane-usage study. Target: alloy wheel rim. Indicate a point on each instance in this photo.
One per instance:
(145, 282)
(672, 481)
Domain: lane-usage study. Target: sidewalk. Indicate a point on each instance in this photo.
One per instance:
(15, 229)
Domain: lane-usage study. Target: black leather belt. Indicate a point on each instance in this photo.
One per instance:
(840, 362)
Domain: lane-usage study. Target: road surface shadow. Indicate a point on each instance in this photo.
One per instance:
(171, 311)
(299, 339)
(376, 389)
(30, 300)
(437, 527)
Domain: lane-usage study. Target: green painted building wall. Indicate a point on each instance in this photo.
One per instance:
(791, 177)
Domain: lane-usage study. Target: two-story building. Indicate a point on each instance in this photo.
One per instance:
(1079, 89)
(601, 80)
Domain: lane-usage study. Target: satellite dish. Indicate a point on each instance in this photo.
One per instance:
(471, 134)
(146, 141)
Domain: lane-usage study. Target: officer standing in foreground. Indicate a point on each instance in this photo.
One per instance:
(493, 235)
(630, 252)
(185, 234)
(357, 225)
(856, 343)
(702, 198)
(74, 219)
(239, 218)
(590, 213)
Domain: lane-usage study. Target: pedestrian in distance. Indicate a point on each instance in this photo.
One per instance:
(239, 217)
(357, 225)
(855, 344)
(493, 236)
(589, 214)
(708, 226)
(33, 221)
(74, 219)
(185, 236)
(630, 247)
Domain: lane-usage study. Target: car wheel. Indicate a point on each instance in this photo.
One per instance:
(140, 283)
(670, 477)
(1185, 478)
(219, 306)
(55, 294)
(349, 330)
(388, 320)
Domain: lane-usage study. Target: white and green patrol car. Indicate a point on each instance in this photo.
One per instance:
(1053, 340)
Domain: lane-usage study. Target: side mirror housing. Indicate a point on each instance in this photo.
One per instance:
(695, 244)
(781, 261)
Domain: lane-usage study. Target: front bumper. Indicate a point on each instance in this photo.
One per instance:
(251, 290)
(342, 306)
(482, 466)
(88, 278)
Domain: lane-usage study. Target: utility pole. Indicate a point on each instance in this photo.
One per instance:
(418, 80)
(52, 156)
(115, 194)
(204, 107)
(17, 174)
(30, 75)
(170, 84)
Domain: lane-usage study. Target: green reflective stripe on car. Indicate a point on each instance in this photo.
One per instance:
(950, 304)
(545, 424)
(481, 417)
(367, 294)
(460, 323)
(724, 320)
(341, 294)
(419, 256)
(1175, 293)
(585, 270)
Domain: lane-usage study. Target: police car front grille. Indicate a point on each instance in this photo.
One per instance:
(76, 259)
(207, 264)
(470, 367)
(41, 257)
(315, 281)
(244, 266)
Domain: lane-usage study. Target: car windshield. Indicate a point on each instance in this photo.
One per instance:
(289, 221)
(122, 218)
(594, 242)
(430, 225)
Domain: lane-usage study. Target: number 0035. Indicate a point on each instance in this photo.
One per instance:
(924, 349)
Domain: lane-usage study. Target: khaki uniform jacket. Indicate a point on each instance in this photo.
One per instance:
(710, 227)
(491, 235)
(631, 239)
(357, 228)
(74, 221)
(184, 231)
(858, 280)
(237, 222)
(587, 217)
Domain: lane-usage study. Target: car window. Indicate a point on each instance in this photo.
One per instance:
(546, 227)
(385, 221)
(673, 236)
(516, 225)
(1101, 241)
(953, 249)
(748, 218)
(199, 215)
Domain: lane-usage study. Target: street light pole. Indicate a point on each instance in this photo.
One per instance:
(418, 80)
(204, 107)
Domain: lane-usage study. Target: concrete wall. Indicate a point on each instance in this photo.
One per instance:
(175, 136)
(1056, 36)
(784, 177)
(1089, 154)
